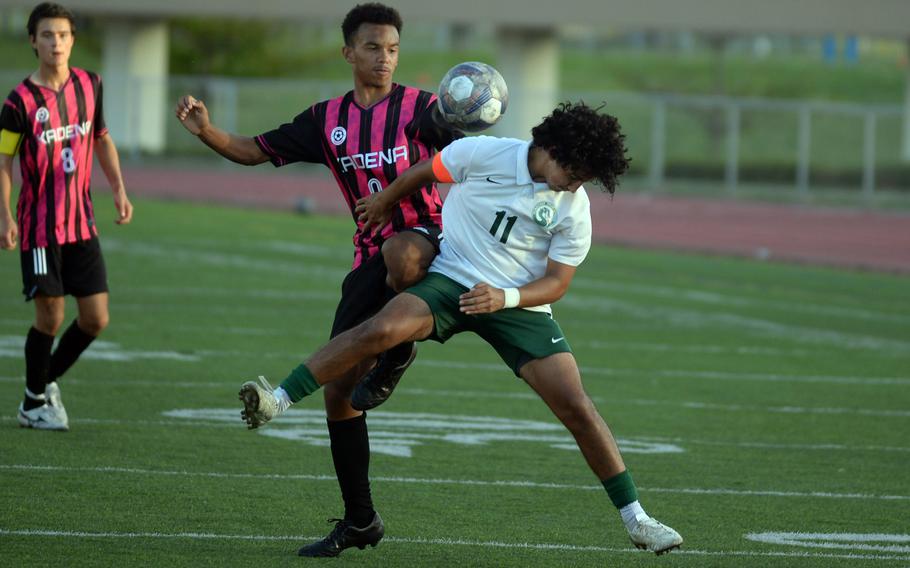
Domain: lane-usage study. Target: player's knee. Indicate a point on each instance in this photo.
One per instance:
(49, 316)
(94, 324)
(577, 413)
(381, 331)
(405, 278)
(406, 263)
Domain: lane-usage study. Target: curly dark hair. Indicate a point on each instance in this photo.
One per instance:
(369, 13)
(585, 142)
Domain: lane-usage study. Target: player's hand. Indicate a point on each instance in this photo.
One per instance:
(482, 299)
(192, 114)
(124, 208)
(372, 213)
(9, 233)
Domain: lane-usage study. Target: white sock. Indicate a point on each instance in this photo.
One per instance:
(630, 514)
(284, 401)
(33, 396)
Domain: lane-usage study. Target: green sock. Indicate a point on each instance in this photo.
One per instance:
(300, 383)
(621, 489)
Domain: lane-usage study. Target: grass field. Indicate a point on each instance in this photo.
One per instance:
(749, 398)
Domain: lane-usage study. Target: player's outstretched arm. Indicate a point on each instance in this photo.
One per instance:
(485, 299)
(375, 211)
(193, 115)
(110, 164)
(9, 231)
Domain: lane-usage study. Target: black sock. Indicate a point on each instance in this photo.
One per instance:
(351, 455)
(37, 361)
(400, 354)
(73, 342)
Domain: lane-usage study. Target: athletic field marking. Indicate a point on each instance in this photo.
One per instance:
(439, 542)
(694, 319)
(219, 257)
(11, 346)
(173, 256)
(398, 433)
(896, 543)
(721, 299)
(458, 482)
(677, 440)
(696, 405)
(672, 373)
(751, 350)
(771, 409)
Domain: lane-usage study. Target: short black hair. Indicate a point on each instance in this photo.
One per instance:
(369, 13)
(585, 142)
(47, 10)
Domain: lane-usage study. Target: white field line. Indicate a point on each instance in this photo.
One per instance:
(874, 542)
(622, 346)
(201, 251)
(728, 300)
(252, 260)
(456, 482)
(680, 441)
(687, 405)
(691, 405)
(697, 297)
(200, 257)
(679, 374)
(12, 345)
(443, 542)
(667, 317)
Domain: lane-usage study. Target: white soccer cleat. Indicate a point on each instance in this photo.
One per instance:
(259, 403)
(654, 536)
(52, 392)
(44, 417)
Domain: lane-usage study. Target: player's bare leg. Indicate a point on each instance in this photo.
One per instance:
(558, 382)
(407, 257)
(405, 318)
(49, 312)
(93, 313)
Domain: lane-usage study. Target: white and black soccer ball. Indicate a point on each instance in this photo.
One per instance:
(472, 96)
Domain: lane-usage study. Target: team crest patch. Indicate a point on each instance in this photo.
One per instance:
(42, 115)
(339, 135)
(544, 214)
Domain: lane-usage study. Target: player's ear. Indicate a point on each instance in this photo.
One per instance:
(348, 52)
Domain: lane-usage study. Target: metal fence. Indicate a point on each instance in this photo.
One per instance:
(730, 140)
(791, 145)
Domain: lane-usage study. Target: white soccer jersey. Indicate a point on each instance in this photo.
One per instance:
(499, 225)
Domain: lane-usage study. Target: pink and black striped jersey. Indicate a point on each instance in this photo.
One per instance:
(366, 149)
(58, 130)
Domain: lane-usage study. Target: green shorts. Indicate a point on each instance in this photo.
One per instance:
(518, 335)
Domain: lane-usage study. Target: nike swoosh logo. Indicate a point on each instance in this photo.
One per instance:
(556, 339)
(491, 180)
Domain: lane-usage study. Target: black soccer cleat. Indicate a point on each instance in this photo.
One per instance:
(346, 535)
(377, 386)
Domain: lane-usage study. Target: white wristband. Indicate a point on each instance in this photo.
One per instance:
(513, 296)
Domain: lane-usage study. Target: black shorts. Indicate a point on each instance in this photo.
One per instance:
(76, 269)
(364, 291)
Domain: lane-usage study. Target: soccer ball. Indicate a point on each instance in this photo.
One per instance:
(472, 96)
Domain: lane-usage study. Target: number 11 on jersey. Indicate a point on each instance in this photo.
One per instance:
(510, 221)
